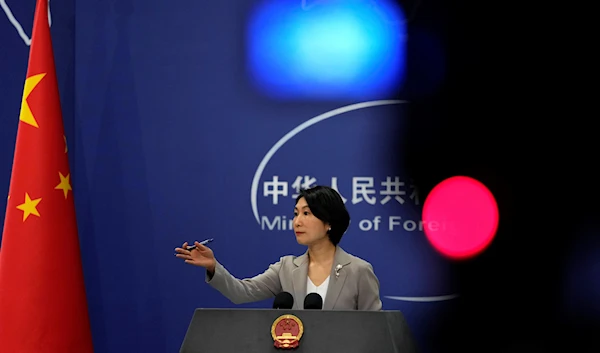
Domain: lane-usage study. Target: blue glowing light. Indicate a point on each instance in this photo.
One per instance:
(348, 49)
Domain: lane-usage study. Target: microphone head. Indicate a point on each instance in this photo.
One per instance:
(313, 301)
(283, 300)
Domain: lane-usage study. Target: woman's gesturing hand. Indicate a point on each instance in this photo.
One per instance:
(201, 256)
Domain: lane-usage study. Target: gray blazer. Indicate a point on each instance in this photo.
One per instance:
(353, 287)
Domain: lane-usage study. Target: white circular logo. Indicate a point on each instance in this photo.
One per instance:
(296, 131)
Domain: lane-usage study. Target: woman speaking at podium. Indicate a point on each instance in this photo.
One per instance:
(344, 281)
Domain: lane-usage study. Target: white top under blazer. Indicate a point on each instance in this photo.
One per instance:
(320, 290)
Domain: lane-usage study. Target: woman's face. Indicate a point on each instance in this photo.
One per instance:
(307, 227)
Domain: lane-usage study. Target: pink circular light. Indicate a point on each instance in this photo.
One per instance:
(461, 217)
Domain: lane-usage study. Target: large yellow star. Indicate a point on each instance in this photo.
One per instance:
(26, 115)
(29, 207)
(65, 184)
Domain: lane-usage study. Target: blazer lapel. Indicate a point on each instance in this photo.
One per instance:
(336, 283)
(299, 276)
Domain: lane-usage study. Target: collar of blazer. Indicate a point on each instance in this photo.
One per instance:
(336, 282)
(341, 257)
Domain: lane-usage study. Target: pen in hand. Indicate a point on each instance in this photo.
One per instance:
(204, 242)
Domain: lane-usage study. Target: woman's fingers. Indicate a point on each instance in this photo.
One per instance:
(188, 255)
(204, 250)
(183, 256)
(200, 246)
(182, 251)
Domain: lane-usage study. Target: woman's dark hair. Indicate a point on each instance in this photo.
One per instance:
(327, 205)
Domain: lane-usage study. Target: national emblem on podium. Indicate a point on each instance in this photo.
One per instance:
(287, 331)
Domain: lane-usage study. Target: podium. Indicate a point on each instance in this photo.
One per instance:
(324, 331)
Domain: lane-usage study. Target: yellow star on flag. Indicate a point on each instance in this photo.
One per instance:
(29, 207)
(65, 184)
(26, 115)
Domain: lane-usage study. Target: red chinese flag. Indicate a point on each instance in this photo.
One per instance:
(43, 306)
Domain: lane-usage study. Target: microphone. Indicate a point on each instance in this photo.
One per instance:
(283, 300)
(313, 301)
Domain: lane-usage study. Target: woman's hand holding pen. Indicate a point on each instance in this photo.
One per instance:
(201, 256)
